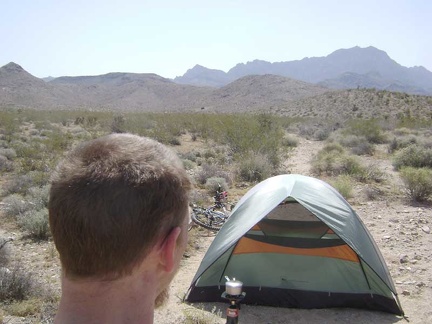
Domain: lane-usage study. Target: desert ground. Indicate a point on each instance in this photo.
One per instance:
(400, 229)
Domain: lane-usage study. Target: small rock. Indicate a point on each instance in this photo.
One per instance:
(406, 293)
(386, 237)
(403, 258)
(426, 229)
(417, 257)
(420, 284)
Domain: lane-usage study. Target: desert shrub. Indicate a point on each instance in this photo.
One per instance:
(245, 135)
(254, 168)
(21, 184)
(26, 307)
(369, 128)
(343, 184)
(371, 173)
(322, 134)
(174, 141)
(35, 223)
(373, 192)
(403, 131)
(9, 153)
(14, 205)
(199, 197)
(209, 154)
(16, 284)
(5, 164)
(290, 141)
(118, 124)
(334, 148)
(363, 148)
(188, 164)
(38, 196)
(58, 141)
(316, 130)
(332, 160)
(192, 156)
(358, 145)
(413, 156)
(418, 182)
(401, 142)
(209, 171)
(4, 252)
(212, 184)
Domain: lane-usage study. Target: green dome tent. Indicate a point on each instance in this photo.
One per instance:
(294, 241)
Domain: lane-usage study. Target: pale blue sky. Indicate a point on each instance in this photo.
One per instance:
(167, 37)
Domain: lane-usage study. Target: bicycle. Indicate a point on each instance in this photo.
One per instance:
(213, 217)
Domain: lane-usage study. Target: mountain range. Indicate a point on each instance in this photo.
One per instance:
(343, 69)
(314, 88)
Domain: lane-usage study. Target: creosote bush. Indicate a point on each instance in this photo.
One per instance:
(16, 284)
(35, 223)
(212, 185)
(14, 205)
(211, 171)
(368, 128)
(414, 156)
(254, 168)
(418, 182)
(343, 184)
(358, 145)
(334, 161)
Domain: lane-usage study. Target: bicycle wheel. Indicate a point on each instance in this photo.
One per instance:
(211, 220)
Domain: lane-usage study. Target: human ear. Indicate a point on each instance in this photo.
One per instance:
(168, 248)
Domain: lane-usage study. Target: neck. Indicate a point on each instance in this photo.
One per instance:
(126, 300)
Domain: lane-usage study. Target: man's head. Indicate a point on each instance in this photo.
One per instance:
(112, 199)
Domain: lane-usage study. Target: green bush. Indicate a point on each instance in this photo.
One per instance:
(5, 164)
(332, 160)
(4, 251)
(401, 142)
(414, 156)
(212, 184)
(188, 164)
(16, 284)
(35, 223)
(369, 128)
(20, 184)
(254, 168)
(290, 141)
(9, 153)
(418, 182)
(358, 145)
(210, 171)
(343, 184)
(14, 205)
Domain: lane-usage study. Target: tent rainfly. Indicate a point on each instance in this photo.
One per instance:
(294, 241)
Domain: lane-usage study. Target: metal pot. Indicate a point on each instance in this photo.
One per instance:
(233, 287)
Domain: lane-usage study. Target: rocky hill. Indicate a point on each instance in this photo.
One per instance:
(251, 93)
(343, 69)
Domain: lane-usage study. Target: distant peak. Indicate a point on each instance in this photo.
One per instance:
(12, 67)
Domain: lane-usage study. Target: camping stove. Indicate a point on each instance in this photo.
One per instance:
(233, 293)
